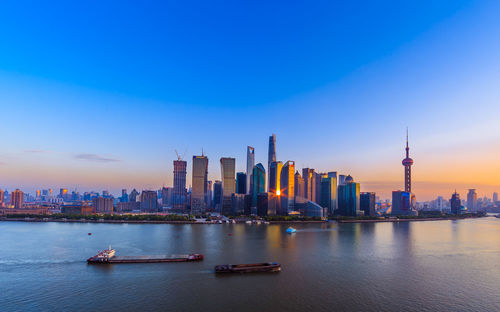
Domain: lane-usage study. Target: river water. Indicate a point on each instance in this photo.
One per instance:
(407, 266)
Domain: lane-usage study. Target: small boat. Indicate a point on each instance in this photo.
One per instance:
(90, 234)
(291, 230)
(248, 268)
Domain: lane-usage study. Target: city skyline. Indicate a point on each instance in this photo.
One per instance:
(106, 108)
(383, 190)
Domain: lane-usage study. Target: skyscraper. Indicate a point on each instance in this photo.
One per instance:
(166, 196)
(258, 182)
(149, 201)
(1, 197)
(407, 163)
(348, 198)
(250, 165)
(495, 197)
(287, 185)
(199, 184)
(133, 196)
(367, 203)
(299, 185)
(403, 204)
(472, 200)
(271, 156)
(328, 193)
(309, 177)
(209, 195)
(179, 192)
(455, 203)
(217, 203)
(17, 199)
(103, 204)
(228, 171)
(124, 197)
(241, 183)
(274, 174)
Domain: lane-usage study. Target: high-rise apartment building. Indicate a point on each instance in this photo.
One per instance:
(103, 205)
(179, 193)
(166, 196)
(17, 199)
(455, 203)
(287, 185)
(250, 165)
(149, 201)
(199, 184)
(228, 173)
(472, 201)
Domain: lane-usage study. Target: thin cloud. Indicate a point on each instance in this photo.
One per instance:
(34, 151)
(95, 158)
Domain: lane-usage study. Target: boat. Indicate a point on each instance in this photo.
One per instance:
(248, 268)
(108, 256)
(291, 230)
(497, 216)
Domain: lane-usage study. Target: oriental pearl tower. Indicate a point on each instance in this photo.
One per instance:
(407, 163)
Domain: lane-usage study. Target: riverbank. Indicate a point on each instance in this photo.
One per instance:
(230, 222)
(404, 220)
(148, 221)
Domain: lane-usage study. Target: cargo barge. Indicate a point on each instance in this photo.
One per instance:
(108, 257)
(248, 268)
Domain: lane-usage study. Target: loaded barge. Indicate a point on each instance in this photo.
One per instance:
(248, 268)
(108, 256)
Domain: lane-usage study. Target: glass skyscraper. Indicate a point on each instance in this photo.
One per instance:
(228, 171)
(179, 192)
(287, 185)
(274, 175)
(348, 198)
(250, 165)
(241, 183)
(199, 184)
(258, 182)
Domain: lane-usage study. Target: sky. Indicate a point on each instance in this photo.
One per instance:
(99, 95)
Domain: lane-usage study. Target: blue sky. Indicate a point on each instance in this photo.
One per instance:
(98, 95)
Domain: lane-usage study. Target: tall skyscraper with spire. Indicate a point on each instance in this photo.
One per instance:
(250, 165)
(271, 156)
(407, 163)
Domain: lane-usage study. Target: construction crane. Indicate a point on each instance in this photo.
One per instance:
(179, 157)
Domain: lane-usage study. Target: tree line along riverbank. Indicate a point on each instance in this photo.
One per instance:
(190, 219)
